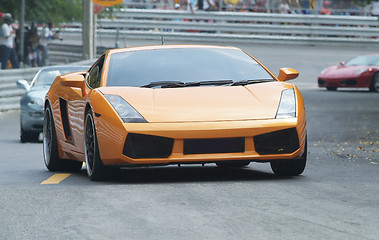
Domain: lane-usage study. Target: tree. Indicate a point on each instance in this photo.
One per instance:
(42, 11)
(363, 2)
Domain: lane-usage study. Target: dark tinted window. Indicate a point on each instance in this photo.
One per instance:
(94, 78)
(139, 68)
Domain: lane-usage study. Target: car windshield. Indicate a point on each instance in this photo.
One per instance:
(47, 76)
(183, 65)
(370, 60)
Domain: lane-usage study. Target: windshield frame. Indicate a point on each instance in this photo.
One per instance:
(62, 70)
(363, 60)
(114, 65)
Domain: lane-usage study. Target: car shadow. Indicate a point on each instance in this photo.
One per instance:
(187, 174)
(17, 141)
(347, 90)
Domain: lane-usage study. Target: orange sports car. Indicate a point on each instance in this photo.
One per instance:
(174, 104)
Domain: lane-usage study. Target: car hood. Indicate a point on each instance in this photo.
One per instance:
(342, 71)
(194, 104)
(37, 92)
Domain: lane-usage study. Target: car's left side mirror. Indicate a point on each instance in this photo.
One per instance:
(75, 80)
(286, 74)
(23, 84)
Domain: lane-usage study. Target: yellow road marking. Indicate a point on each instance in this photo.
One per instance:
(56, 178)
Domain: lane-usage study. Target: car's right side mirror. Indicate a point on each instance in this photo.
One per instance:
(286, 74)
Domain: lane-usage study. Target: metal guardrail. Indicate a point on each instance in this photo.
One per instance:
(10, 95)
(240, 27)
(248, 27)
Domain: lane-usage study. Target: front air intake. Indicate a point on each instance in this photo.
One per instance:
(279, 142)
(147, 146)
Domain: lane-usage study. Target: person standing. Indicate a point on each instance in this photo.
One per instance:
(191, 6)
(325, 10)
(284, 7)
(7, 43)
(46, 35)
(375, 8)
(210, 5)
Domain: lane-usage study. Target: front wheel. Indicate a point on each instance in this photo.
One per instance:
(374, 87)
(95, 168)
(290, 167)
(50, 147)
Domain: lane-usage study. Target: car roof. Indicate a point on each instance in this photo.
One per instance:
(58, 67)
(155, 47)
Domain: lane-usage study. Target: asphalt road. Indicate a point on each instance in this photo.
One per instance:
(337, 197)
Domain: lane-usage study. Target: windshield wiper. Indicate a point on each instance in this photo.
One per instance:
(209, 83)
(174, 84)
(252, 81)
(164, 84)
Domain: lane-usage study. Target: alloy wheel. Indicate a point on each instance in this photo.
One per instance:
(89, 144)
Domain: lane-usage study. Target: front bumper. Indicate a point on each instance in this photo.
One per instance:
(362, 81)
(31, 119)
(204, 142)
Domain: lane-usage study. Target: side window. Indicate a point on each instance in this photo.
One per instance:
(94, 77)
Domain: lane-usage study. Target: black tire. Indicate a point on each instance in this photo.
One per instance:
(331, 88)
(28, 136)
(50, 147)
(233, 164)
(95, 168)
(374, 87)
(290, 167)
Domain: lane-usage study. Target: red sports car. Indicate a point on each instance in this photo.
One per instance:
(359, 72)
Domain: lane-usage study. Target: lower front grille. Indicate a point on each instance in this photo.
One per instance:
(214, 145)
(350, 82)
(147, 146)
(279, 142)
(321, 81)
(37, 127)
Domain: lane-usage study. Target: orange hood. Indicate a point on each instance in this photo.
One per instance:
(198, 104)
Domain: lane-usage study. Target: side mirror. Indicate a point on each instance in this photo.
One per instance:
(286, 74)
(342, 64)
(23, 84)
(76, 81)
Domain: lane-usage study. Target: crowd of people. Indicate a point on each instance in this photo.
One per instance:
(335, 7)
(35, 52)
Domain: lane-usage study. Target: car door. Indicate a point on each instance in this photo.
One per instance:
(77, 105)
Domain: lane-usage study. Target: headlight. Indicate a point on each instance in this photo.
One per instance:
(35, 103)
(127, 113)
(287, 105)
(360, 71)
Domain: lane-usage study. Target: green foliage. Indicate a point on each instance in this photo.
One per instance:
(362, 3)
(42, 11)
(109, 11)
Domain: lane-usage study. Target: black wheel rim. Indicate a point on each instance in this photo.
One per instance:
(89, 144)
(376, 82)
(47, 137)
